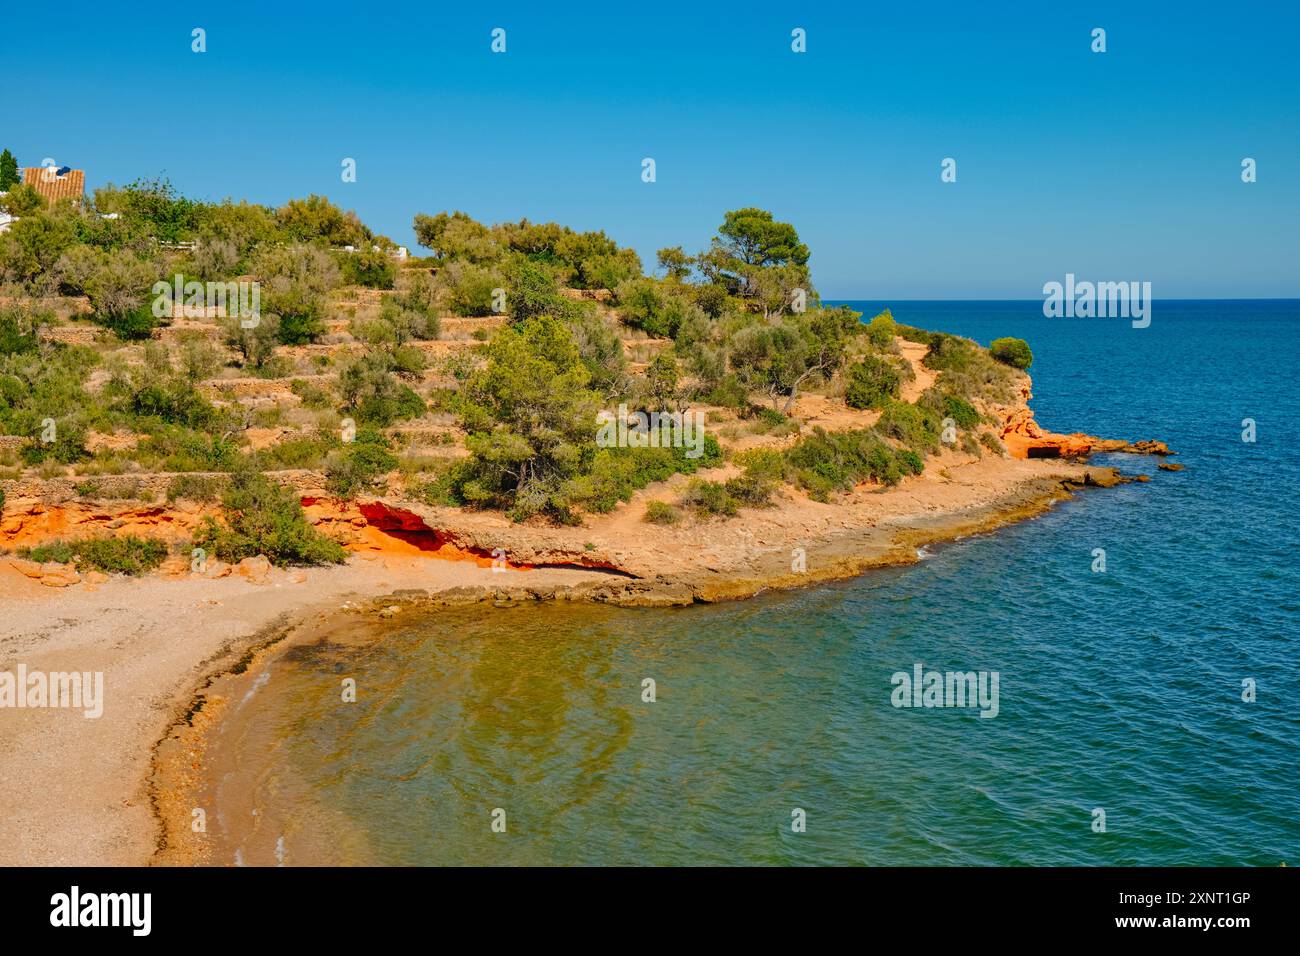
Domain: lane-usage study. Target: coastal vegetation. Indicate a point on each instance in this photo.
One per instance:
(121, 554)
(475, 377)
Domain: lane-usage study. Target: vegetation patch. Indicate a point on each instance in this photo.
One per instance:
(110, 554)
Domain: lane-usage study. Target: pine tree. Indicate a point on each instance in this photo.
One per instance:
(8, 171)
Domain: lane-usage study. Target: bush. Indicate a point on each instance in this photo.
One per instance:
(374, 395)
(294, 282)
(532, 292)
(993, 443)
(177, 448)
(311, 395)
(914, 426)
(766, 463)
(360, 466)
(130, 326)
(881, 330)
(117, 291)
(709, 498)
(616, 473)
(825, 462)
(194, 488)
(1013, 352)
(109, 554)
(751, 490)
(374, 270)
(872, 383)
(660, 512)
(18, 330)
(962, 412)
(654, 307)
(471, 288)
(68, 447)
(262, 517)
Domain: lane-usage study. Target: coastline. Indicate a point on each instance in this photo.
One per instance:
(176, 756)
(114, 790)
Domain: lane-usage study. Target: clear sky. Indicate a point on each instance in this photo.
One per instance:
(1122, 165)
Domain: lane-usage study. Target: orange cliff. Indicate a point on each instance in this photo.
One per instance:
(1023, 438)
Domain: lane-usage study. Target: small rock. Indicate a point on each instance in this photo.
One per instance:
(390, 611)
(95, 577)
(255, 569)
(59, 575)
(217, 569)
(1169, 466)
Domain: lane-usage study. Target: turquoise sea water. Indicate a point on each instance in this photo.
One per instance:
(1119, 690)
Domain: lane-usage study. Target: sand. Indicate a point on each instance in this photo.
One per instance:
(73, 790)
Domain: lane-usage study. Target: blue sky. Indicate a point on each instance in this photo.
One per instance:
(1122, 165)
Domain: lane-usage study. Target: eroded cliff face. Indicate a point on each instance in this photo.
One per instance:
(1023, 437)
(376, 527)
(373, 527)
(27, 522)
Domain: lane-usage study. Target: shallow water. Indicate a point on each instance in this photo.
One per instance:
(1119, 690)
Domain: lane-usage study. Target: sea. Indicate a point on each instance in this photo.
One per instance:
(1145, 642)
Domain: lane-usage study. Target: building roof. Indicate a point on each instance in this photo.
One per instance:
(63, 183)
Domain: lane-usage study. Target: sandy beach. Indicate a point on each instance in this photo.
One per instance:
(77, 790)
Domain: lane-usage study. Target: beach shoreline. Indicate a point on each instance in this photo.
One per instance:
(114, 788)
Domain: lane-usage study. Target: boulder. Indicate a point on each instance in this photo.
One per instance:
(51, 574)
(256, 570)
(216, 569)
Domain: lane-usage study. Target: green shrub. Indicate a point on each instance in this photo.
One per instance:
(654, 307)
(915, 427)
(660, 512)
(962, 412)
(374, 395)
(1013, 352)
(311, 395)
(751, 490)
(992, 443)
(360, 466)
(768, 463)
(881, 330)
(177, 448)
(125, 554)
(709, 498)
(374, 270)
(194, 488)
(60, 552)
(130, 326)
(825, 462)
(615, 474)
(471, 288)
(262, 517)
(68, 446)
(131, 490)
(18, 330)
(872, 383)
